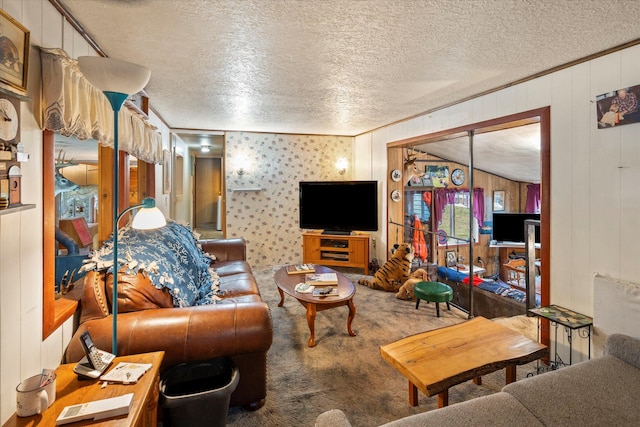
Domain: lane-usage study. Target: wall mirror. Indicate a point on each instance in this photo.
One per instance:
(91, 169)
(76, 178)
(506, 154)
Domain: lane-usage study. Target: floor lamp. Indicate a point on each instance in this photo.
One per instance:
(117, 80)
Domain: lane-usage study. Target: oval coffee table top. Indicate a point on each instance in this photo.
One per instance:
(287, 283)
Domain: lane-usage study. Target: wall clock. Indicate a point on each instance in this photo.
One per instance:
(457, 176)
(9, 119)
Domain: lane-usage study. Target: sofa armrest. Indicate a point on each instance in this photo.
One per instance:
(185, 334)
(332, 418)
(624, 347)
(225, 249)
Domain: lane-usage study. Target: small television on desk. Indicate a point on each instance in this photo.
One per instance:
(509, 227)
(339, 207)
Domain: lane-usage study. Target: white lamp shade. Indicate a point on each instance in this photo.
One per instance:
(148, 219)
(114, 75)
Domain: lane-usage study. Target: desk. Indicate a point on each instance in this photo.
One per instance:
(71, 391)
(436, 360)
(571, 321)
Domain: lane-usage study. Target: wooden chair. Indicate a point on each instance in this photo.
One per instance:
(516, 273)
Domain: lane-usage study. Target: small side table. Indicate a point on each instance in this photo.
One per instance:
(571, 320)
(71, 391)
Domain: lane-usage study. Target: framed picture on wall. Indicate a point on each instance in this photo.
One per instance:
(498, 200)
(166, 171)
(618, 107)
(436, 176)
(14, 52)
(452, 259)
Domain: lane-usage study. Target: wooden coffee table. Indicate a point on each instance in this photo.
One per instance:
(346, 290)
(436, 360)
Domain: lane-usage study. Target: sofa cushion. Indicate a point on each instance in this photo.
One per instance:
(496, 410)
(238, 284)
(136, 292)
(227, 268)
(624, 347)
(94, 304)
(602, 391)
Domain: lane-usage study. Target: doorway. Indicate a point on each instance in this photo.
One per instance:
(207, 196)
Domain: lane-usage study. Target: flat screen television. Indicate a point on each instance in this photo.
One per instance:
(509, 227)
(339, 207)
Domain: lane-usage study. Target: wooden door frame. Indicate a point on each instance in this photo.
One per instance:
(395, 211)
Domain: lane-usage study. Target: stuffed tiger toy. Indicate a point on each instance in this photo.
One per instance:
(394, 272)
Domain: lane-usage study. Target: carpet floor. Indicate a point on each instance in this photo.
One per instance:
(347, 372)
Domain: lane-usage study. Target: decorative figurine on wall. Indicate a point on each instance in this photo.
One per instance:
(411, 168)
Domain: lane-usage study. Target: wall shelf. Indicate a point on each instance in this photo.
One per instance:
(237, 190)
(18, 208)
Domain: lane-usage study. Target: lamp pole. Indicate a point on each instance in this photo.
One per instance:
(116, 100)
(116, 79)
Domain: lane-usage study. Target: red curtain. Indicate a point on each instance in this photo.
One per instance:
(533, 199)
(445, 196)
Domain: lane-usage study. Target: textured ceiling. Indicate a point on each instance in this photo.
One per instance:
(344, 67)
(341, 67)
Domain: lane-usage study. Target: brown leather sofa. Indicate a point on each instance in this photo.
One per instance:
(239, 326)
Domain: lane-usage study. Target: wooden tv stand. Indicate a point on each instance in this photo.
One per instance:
(336, 250)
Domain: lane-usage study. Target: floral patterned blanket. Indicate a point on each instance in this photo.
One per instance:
(169, 256)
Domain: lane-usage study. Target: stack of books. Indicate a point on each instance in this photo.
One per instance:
(321, 279)
(300, 269)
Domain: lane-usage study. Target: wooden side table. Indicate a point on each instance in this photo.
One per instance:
(71, 391)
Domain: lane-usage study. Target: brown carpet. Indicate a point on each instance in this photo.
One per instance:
(348, 372)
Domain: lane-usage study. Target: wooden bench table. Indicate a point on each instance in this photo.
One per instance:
(436, 360)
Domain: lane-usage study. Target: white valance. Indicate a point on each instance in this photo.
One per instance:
(72, 106)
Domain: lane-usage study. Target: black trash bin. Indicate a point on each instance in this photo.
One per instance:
(198, 394)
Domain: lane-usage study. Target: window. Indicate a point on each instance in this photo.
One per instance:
(455, 220)
(451, 215)
(419, 207)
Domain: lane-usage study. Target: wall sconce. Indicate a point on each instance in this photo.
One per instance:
(342, 164)
(242, 166)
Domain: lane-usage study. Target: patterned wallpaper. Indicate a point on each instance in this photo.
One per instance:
(275, 163)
